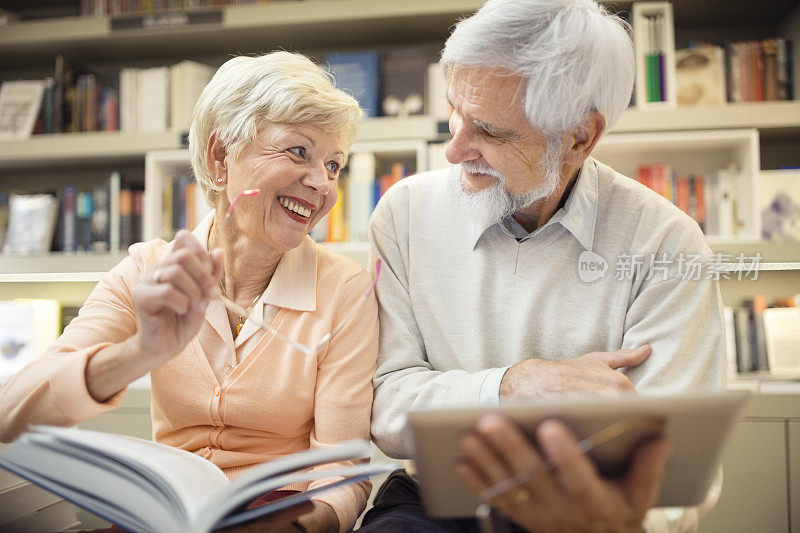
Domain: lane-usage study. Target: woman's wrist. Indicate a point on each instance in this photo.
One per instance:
(322, 519)
(113, 368)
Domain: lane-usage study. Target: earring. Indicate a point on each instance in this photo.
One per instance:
(220, 180)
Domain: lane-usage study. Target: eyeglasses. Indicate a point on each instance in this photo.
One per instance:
(246, 314)
(643, 425)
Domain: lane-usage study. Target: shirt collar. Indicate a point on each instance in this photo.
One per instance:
(578, 216)
(294, 283)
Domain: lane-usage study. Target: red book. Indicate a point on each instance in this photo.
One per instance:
(644, 175)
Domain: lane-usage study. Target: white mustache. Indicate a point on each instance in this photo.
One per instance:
(477, 168)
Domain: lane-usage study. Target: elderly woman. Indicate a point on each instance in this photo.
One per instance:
(223, 387)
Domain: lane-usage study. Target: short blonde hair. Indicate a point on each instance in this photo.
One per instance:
(248, 92)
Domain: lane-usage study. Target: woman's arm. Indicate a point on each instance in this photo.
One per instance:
(106, 347)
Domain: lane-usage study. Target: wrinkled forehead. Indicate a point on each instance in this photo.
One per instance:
(478, 91)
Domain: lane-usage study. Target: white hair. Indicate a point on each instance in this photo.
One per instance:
(575, 57)
(494, 203)
(246, 93)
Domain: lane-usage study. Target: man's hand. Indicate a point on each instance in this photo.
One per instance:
(572, 496)
(592, 374)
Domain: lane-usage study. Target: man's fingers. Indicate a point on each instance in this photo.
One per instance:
(471, 476)
(643, 481)
(625, 358)
(515, 450)
(573, 469)
(479, 452)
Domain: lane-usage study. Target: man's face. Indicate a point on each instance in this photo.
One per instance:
(502, 158)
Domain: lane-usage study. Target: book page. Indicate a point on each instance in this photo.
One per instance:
(108, 490)
(189, 480)
(239, 491)
(216, 516)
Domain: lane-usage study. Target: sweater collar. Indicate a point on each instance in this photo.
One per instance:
(294, 283)
(578, 216)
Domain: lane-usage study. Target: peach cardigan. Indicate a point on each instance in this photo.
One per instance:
(269, 399)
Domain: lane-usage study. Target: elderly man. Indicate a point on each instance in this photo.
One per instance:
(529, 269)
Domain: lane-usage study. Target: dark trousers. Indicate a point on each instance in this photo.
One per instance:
(398, 508)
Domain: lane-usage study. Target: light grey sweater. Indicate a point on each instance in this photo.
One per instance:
(458, 300)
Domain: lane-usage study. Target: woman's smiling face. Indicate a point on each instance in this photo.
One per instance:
(296, 167)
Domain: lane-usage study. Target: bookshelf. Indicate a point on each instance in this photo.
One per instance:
(27, 49)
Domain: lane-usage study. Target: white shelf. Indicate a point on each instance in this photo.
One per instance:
(56, 267)
(767, 117)
(59, 148)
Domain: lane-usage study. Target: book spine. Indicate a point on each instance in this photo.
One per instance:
(69, 242)
(698, 194)
(759, 305)
(138, 209)
(126, 218)
(770, 48)
(84, 210)
(101, 219)
(758, 71)
(742, 330)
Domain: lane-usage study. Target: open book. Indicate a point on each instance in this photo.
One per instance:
(145, 486)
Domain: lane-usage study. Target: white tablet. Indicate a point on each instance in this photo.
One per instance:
(698, 426)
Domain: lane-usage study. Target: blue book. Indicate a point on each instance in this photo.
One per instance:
(358, 74)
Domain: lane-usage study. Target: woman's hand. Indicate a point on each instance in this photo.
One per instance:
(170, 300)
(282, 521)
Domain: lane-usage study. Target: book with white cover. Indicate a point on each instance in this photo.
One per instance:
(153, 100)
(187, 81)
(31, 223)
(27, 328)
(129, 99)
(359, 194)
(19, 106)
(145, 486)
(782, 335)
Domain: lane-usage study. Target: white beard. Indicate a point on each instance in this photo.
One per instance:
(493, 203)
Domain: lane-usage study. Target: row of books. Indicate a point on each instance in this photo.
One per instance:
(73, 99)
(158, 99)
(359, 192)
(763, 336)
(149, 100)
(183, 204)
(107, 217)
(652, 34)
(713, 201)
(397, 82)
(746, 71)
(142, 7)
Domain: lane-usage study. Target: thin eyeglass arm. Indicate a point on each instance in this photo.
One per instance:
(643, 423)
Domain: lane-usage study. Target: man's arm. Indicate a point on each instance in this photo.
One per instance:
(405, 379)
(681, 319)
